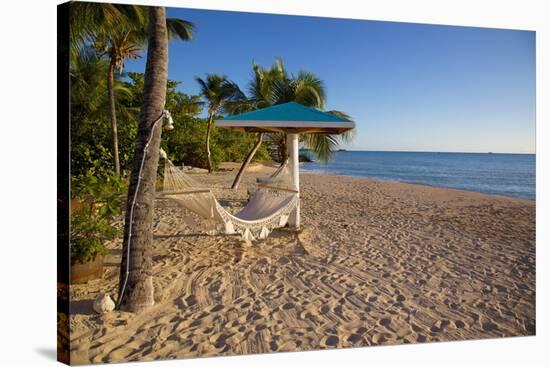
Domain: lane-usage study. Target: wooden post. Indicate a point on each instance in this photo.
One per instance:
(294, 165)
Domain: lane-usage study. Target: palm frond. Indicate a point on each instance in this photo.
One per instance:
(231, 91)
(88, 82)
(217, 91)
(339, 114)
(122, 90)
(180, 29)
(283, 91)
(204, 90)
(274, 86)
(239, 106)
(322, 144)
(90, 21)
(347, 136)
(310, 89)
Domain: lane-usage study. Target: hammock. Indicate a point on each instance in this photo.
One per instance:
(269, 206)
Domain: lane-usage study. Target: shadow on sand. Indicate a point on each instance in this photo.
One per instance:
(82, 307)
(181, 235)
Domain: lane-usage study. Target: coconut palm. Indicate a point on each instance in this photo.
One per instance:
(274, 86)
(136, 284)
(88, 84)
(261, 91)
(118, 45)
(217, 91)
(119, 32)
(89, 106)
(125, 44)
(89, 21)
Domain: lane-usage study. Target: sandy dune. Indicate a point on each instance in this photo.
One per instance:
(375, 263)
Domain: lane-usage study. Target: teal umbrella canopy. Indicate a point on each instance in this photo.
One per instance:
(288, 117)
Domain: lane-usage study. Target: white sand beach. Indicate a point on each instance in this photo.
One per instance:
(374, 263)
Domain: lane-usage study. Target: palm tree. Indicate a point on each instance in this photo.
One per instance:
(88, 87)
(217, 91)
(261, 91)
(89, 21)
(119, 46)
(274, 86)
(136, 284)
(120, 33)
(89, 104)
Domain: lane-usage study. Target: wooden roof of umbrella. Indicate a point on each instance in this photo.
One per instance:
(288, 117)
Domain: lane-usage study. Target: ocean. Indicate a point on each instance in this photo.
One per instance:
(490, 173)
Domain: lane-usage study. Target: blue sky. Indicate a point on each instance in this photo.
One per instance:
(408, 87)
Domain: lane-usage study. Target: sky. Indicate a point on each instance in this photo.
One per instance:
(408, 87)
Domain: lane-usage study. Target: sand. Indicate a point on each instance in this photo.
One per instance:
(375, 263)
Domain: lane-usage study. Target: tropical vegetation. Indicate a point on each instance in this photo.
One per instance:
(274, 85)
(117, 32)
(98, 203)
(112, 112)
(217, 92)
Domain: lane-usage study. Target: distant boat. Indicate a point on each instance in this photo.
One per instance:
(341, 150)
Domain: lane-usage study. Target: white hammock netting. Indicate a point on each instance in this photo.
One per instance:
(269, 206)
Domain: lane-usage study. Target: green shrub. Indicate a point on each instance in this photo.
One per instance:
(98, 202)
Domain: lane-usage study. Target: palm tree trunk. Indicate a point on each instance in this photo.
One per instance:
(208, 131)
(138, 293)
(247, 161)
(112, 108)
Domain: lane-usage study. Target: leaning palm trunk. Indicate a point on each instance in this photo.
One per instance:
(112, 108)
(138, 292)
(247, 161)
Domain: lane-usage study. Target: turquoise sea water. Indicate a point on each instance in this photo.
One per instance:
(502, 174)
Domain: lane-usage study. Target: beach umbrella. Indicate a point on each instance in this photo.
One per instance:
(293, 119)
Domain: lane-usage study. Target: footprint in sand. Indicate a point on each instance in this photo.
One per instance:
(216, 308)
(245, 305)
(421, 338)
(379, 338)
(253, 316)
(330, 341)
(489, 326)
(260, 327)
(459, 324)
(273, 346)
(219, 341)
(440, 325)
(185, 302)
(287, 306)
(354, 338)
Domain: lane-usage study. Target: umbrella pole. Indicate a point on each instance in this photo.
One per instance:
(293, 161)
